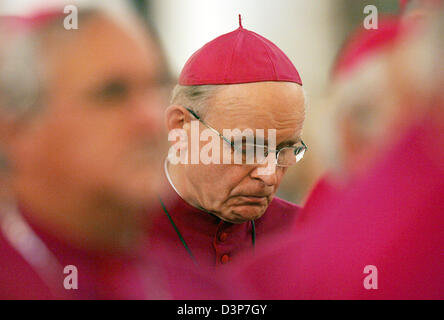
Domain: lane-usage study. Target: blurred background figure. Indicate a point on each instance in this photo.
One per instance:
(362, 99)
(80, 130)
(363, 102)
(418, 9)
(379, 235)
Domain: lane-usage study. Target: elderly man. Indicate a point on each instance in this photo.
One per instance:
(216, 209)
(79, 120)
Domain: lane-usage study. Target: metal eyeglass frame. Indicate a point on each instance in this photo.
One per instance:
(304, 146)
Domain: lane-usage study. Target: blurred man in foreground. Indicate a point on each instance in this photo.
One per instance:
(381, 236)
(80, 129)
(217, 208)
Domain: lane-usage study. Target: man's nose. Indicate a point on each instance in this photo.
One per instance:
(266, 172)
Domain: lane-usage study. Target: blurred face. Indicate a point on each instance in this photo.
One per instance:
(238, 192)
(363, 128)
(98, 133)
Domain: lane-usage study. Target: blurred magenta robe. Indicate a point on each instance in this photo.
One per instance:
(392, 219)
(212, 241)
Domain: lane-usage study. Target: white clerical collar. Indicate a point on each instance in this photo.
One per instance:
(165, 166)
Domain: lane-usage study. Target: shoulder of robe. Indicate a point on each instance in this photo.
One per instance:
(280, 215)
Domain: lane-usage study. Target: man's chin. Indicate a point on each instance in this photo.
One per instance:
(244, 213)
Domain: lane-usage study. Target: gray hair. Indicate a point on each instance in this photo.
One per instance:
(20, 76)
(21, 83)
(22, 71)
(197, 98)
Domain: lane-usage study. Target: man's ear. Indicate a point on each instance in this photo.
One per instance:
(176, 117)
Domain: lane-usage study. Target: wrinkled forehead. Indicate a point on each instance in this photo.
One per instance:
(260, 105)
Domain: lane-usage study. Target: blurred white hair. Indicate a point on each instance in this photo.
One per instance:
(22, 73)
(20, 78)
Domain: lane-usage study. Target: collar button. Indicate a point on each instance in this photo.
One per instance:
(223, 236)
(225, 259)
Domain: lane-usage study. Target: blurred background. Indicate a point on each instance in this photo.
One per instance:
(309, 32)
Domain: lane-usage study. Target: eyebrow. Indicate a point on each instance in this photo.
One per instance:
(107, 86)
(287, 143)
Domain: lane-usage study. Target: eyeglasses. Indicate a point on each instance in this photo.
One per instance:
(284, 157)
